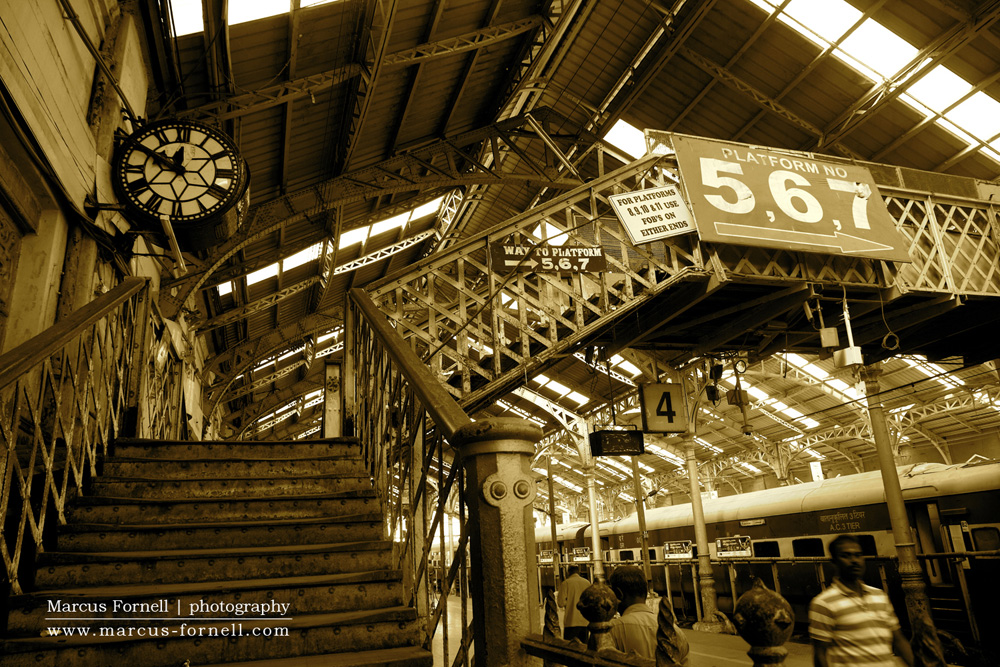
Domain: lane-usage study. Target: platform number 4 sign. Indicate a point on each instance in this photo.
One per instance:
(663, 408)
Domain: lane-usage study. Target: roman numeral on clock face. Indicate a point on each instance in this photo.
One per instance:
(138, 186)
(217, 192)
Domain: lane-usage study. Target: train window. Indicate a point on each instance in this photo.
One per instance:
(652, 554)
(808, 547)
(768, 549)
(986, 539)
(625, 554)
(867, 543)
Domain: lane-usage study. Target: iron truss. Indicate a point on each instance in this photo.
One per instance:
(445, 164)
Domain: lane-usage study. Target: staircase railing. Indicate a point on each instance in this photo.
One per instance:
(64, 395)
(429, 461)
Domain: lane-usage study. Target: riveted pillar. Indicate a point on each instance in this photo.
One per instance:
(925, 641)
(706, 582)
(500, 491)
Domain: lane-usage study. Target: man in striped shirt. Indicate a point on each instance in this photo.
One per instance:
(851, 623)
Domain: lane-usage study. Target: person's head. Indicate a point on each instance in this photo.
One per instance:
(573, 569)
(845, 551)
(629, 584)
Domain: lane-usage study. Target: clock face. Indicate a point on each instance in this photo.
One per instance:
(182, 169)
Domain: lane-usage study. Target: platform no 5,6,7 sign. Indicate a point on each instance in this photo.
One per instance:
(752, 196)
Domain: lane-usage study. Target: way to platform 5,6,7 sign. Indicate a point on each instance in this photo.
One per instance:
(765, 197)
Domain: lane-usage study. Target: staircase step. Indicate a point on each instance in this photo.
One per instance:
(226, 449)
(213, 468)
(145, 537)
(133, 510)
(68, 569)
(157, 488)
(219, 642)
(404, 656)
(30, 614)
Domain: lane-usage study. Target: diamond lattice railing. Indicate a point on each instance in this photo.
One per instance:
(63, 398)
(484, 329)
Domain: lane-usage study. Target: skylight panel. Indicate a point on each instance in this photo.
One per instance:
(291, 353)
(830, 19)
(558, 388)
(429, 208)
(359, 235)
(310, 254)
(266, 272)
(549, 233)
(879, 48)
(939, 89)
(627, 138)
(395, 222)
(188, 18)
(578, 397)
(707, 445)
(225, 288)
(241, 11)
(629, 368)
(980, 115)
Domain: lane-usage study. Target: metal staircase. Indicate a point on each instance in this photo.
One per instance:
(220, 553)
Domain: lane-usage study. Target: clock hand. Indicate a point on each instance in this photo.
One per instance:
(159, 158)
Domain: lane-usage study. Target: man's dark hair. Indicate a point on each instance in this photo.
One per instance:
(840, 541)
(629, 581)
(573, 569)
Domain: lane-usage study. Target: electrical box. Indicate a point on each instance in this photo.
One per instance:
(737, 398)
(849, 356)
(616, 443)
(828, 337)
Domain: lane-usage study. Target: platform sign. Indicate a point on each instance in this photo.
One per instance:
(678, 550)
(663, 408)
(654, 214)
(581, 554)
(547, 258)
(737, 546)
(772, 198)
(545, 556)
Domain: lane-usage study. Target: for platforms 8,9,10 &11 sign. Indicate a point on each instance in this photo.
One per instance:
(747, 195)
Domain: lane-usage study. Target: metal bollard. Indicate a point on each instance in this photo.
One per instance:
(764, 620)
(598, 605)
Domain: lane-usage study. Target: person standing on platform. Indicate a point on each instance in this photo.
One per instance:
(574, 624)
(851, 623)
(635, 629)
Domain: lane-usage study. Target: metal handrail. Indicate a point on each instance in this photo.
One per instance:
(65, 394)
(16, 362)
(440, 405)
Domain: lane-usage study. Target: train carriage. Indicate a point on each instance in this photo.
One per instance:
(953, 509)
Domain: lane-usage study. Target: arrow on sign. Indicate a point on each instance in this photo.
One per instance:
(839, 241)
(529, 264)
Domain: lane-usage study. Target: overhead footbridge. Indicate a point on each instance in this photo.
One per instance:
(490, 312)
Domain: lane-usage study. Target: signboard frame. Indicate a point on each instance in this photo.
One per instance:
(545, 258)
(653, 214)
(745, 549)
(670, 553)
(767, 197)
(659, 404)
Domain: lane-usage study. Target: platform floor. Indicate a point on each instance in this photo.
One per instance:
(707, 649)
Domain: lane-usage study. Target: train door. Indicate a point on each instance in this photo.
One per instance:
(925, 519)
